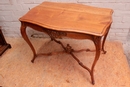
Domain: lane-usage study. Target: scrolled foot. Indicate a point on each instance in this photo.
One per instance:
(93, 82)
(32, 60)
(104, 52)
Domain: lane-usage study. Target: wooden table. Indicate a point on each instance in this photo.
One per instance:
(69, 20)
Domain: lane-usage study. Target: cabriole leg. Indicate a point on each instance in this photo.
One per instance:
(24, 35)
(104, 39)
(97, 42)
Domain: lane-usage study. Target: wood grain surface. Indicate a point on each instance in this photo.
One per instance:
(70, 17)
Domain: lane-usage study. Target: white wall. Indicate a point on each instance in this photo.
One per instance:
(12, 10)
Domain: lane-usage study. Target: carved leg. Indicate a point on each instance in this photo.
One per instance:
(97, 42)
(104, 39)
(24, 35)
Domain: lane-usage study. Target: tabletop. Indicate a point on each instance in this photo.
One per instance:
(70, 17)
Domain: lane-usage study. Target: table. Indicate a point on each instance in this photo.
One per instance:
(69, 20)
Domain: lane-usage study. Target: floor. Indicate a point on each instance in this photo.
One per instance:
(61, 70)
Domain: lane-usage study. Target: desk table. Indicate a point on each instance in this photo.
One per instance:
(69, 20)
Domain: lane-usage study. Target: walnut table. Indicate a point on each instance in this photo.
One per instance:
(69, 20)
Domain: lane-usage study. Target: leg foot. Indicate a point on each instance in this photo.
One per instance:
(32, 60)
(93, 82)
(104, 52)
(34, 57)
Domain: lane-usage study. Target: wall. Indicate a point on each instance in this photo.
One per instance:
(12, 10)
